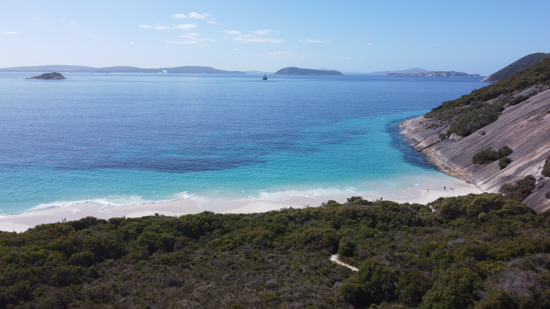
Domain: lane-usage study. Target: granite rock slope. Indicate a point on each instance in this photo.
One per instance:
(524, 127)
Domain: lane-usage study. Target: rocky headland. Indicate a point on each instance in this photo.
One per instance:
(515, 113)
(53, 75)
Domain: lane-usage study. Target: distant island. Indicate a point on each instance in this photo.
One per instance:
(300, 71)
(518, 65)
(383, 73)
(120, 69)
(53, 75)
(434, 74)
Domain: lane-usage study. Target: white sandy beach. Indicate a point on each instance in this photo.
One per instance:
(422, 193)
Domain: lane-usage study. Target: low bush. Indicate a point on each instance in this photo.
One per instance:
(546, 168)
(518, 99)
(547, 194)
(503, 163)
(520, 190)
(489, 155)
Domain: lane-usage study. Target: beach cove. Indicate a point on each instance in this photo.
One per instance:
(424, 193)
(136, 145)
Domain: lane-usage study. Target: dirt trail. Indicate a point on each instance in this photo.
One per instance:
(334, 259)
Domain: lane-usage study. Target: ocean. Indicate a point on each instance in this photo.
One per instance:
(124, 139)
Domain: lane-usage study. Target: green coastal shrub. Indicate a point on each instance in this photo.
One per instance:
(347, 248)
(457, 288)
(489, 155)
(520, 190)
(503, 163)
(547, 194)
(518, 99)
(374, 283)
(546, 168)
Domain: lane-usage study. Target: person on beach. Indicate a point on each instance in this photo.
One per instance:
(444, 188)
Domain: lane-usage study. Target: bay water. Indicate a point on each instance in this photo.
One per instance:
(132, 138)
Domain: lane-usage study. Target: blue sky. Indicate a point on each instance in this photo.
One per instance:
(353, 36)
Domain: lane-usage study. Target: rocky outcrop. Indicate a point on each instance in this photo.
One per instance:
(524, 127)
(53, 75)
(300, 71)
(516, 66)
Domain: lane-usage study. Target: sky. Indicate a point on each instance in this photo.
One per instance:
(351, 36)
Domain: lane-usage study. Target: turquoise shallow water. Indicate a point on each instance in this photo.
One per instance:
(124, 139)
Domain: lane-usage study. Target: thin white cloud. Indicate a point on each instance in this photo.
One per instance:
(185, 26)
(153, 27)
(190, 35)
(132, 43)
(94, 37)
(196, 15)
(432, 45)
(369, 44)
(192, 15)
(212, 22)
(315, 41)
(235, 49)
(11, 32)
(279, 54)
(72, 23)
(232, 32)
(191, 38)
(253, 39)
(181, 42)
(263, 31)
(347, 59)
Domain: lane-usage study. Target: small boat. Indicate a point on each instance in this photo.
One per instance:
(264, 78)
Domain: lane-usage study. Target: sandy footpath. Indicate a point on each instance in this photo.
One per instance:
(422, 193)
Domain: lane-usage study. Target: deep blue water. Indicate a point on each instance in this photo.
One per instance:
(127, 138)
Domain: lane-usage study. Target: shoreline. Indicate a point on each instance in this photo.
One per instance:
(421, 190)
(423, 147)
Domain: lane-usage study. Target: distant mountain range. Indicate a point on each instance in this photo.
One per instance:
(518, 65)
(434, 74)
(118, 69)
(300, 71)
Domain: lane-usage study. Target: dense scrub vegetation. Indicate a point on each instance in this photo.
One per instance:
(471, 112)
(483, 251)
(521, 189)
(489, 155)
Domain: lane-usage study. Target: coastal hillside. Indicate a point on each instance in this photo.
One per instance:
(482, 251)
(497, 137)
(517, 65)
(300, 71)
(434, 74)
